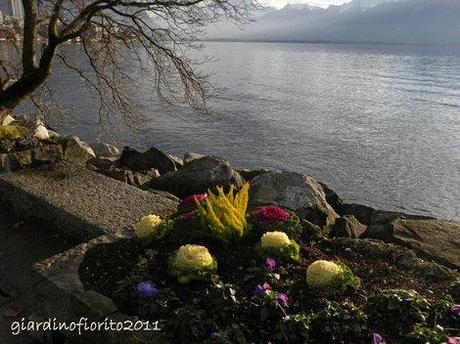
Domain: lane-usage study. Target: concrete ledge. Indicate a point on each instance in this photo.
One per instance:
(79, 202)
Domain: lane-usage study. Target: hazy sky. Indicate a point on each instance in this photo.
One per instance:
(321, 3)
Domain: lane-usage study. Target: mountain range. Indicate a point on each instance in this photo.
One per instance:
(359, 21)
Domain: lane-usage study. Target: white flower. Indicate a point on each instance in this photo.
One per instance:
(147, 225)
(321, 272)
(275, 239)
(192, 257)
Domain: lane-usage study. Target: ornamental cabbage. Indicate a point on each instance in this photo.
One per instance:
(192, 262)
(279, 244)
(330, 277)
(147, 225)
(224, 215)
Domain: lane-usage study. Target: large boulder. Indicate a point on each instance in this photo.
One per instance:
(348, 227)
(197, 177)
(190, 156)
(77, 152)
(249, 175)
(437, 239)
(106, 150)
(152, 158)
(291, 190)
(47, 153)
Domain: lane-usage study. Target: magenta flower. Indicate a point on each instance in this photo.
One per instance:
(456, 310)
(214, 336)
(452, 340)
(190, 201)
(283, 299)
(271, 214)
(262, 289)
(270, 263)
(146, 290)
(376, 338)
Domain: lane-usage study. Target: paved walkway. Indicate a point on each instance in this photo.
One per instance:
(21, 245)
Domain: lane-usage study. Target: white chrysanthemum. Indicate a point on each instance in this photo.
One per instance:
(321, 273)
(274, 239)
(192, 257)
(147, 225)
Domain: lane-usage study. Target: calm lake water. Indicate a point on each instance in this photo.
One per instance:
(380, 124)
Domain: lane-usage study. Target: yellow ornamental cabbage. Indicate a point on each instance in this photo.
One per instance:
(190, 257)
(275, 239)
(225, 214)
(322, 273)
(192, 262)
(147, 225)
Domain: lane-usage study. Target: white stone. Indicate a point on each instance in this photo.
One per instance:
(41, 133)
(8, 120)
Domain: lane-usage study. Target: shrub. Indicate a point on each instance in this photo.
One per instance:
(271, 218)
(331, 278)
(11, 132)
(192, 262)
(454, 291)
(147, 225)
(341, 322)
(423, 335)
(293, 329)
(279, 244)
(224, 215)
(399, 308)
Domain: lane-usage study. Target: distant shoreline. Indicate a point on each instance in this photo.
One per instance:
(234, 40)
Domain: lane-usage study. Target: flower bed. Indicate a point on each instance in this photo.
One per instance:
(214, 275)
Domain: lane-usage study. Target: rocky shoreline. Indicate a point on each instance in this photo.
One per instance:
(195, 173)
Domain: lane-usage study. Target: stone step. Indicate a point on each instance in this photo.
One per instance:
(78, 202)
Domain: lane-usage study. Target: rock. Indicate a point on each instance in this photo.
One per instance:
(332, 198)
(197, 177)
(347, 227)
(302, 194)
(103, 149)
(310, 231)
(102, 163)
(177, 160)
(48, 153)
(249, 175)
(17, 160)
(437, 239)
(8, 120)
(189, 157)
(77, 151)
(41, 132)
(130, 177)
(152, 158)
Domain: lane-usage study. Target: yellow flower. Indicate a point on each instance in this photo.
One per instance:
(147, 225)
(192, 257)
(274, 239)
(11, 132)
(321, 272)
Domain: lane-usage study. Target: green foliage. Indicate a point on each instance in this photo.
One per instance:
(293, 329)
(164, 228)
(424, 335)
(344, 281)
(338, 321)
(291, 251)
(11, 132)
(399, 308)
(224, 215)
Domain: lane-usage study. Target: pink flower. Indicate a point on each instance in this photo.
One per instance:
(271, 214)
(190, 201)
(270, 263)
(262, 289)
(283, 299)
(452, 340)
(456, 310)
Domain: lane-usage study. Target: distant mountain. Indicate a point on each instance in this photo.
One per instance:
(386, 21)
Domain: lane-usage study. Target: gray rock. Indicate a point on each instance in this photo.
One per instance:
(190, 156)
(294, 191)
(152, 158)
(17, 160)
(140, 180)
(103, 149)
(347, 227)
(47, 153)
(332, 198)
(177, 160)
(249, 175)
(197, 177)
(77, 152)
(437, 239)
(102, 163)
(310, 231)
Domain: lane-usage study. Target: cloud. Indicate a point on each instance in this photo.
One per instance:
(320, 3)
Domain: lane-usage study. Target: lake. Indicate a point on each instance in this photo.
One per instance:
(380, 124)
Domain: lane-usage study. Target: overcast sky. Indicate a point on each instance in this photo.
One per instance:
(321, 3)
